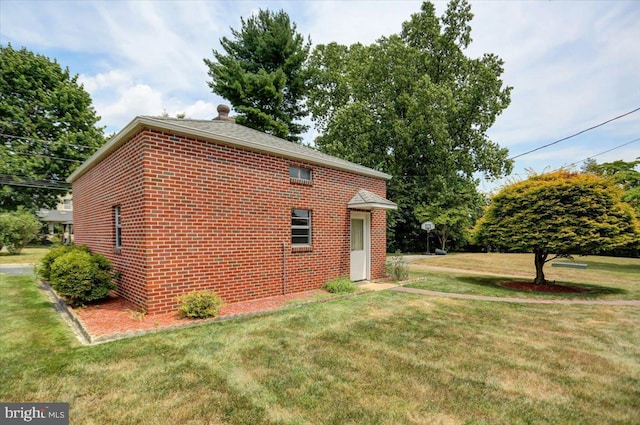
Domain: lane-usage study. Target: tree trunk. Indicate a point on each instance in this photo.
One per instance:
(541, 258)
(443, 237)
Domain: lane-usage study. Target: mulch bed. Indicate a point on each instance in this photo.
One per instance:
(118, 316)
(548, 288)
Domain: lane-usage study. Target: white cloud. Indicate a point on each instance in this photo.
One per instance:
(118, 99)
(566, 64)
(349, 22)
(201, 110)
(104, 81)
(138, 99)
(572, 64)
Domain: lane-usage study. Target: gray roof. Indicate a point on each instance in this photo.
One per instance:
(365, 200)
(228, 133)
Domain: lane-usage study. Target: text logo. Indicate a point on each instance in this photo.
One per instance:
(35, 413)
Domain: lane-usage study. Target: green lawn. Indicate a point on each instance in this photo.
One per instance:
(29, 255)
(607, 278)
(599, 269)
(384, 358)
(491, 286)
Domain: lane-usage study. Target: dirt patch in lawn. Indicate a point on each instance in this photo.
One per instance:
(117, 315)
(547, 288)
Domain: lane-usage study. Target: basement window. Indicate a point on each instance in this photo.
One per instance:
(300, 228)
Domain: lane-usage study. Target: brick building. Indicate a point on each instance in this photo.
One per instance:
(180, 205)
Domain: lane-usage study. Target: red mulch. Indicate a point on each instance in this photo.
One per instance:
(117, 315)
(552, 288)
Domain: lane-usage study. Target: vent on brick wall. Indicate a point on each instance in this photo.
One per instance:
(223, 114)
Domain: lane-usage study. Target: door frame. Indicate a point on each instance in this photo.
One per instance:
(366, 237)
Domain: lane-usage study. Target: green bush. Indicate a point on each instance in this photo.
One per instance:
(397, 268)
(44, 270)
(199, 304)
(17, 229)
(341, 285)
(81, 277)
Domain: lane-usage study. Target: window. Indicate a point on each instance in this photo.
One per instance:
(298, 173)
(357, 234)
(67, 204)
(118, 226)
(300, 227)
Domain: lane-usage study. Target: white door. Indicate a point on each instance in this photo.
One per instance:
(360, 246)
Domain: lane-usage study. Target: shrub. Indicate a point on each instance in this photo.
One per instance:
(44, 270)
(397, 268)
(17, 229)
(81, 277)
(341, 285)
(199, 304)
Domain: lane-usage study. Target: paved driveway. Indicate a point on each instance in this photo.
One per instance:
(18, 269)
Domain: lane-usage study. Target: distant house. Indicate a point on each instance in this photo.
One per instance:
(180, 205)
(60, 220)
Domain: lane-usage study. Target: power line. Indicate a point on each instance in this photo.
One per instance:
(38, 184)
(33, 139)
(602, 153)
(14, 153)
(574, 135)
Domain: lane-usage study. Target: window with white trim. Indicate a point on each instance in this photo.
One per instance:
(300, 227)
(299, 173)
(118, 226)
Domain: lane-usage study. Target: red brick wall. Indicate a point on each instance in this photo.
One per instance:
(210, 216)
(116, 181)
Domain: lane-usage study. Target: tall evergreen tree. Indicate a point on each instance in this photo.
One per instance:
(263, 74)
(415, 106)
(47, 128)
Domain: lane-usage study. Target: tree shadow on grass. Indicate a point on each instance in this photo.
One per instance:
(587, 290)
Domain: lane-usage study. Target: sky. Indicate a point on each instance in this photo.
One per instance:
(572, 64)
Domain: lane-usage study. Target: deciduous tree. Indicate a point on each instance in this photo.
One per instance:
(47, 128)
(262, 73)
(17, 229)
(415, 106)
(625, 174)
(453, 212)
(559, 214)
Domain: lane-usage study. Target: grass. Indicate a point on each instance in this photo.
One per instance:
(383, 357)
(599, 269)
(605, 277)
(29, 255)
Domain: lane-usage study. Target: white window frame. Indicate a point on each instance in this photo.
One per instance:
(300, 173)
(307, 227)
(117, 219)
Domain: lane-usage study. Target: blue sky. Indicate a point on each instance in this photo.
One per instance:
(572, 64)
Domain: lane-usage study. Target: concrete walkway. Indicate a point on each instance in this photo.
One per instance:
(18, 269)
(513, 300)
(377, 286)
